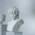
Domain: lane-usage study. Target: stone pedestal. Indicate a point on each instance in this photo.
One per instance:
(4, 27)
(18, 33)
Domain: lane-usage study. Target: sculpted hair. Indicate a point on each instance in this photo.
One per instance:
(16, 12)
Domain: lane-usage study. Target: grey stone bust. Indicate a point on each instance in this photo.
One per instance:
(15, 16)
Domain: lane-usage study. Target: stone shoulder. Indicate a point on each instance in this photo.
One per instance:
(18, 25)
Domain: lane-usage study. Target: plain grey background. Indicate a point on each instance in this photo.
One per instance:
(27, 12)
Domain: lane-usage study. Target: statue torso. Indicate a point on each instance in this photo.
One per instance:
(14, 25)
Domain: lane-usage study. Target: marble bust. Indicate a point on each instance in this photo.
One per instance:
(14, 21)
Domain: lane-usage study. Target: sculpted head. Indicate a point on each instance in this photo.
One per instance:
(14, 13)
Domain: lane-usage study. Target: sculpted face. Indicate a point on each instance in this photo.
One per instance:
(12, 13)
(15, 13)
